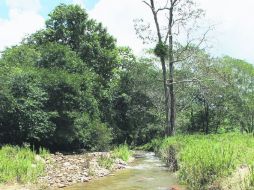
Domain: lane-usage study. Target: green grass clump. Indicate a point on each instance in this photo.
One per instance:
(105, 162)
(123, 152)
(20, 164)
(204, 160)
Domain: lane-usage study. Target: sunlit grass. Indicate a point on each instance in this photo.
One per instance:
(105, 162)
(123, 152)
(20, 164)
(204, 159)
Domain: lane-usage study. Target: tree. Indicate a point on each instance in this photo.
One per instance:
(132, 113)
(220, 100)
(47, 99)
(180, 22)
(239, 77)
(70, 25)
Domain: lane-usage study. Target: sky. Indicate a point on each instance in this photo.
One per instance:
(233, 34)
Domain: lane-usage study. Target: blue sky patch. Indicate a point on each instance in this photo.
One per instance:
(49, 5)
(91, 3)
(46, 6)
(3, 10)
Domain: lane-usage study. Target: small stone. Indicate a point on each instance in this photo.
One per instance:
(84, 179)
(66, 164)
(85, 174)
(69, 180)
(61, 185)
(51, 183)
(59, 175)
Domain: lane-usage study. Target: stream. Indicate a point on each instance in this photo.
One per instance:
(147, 172)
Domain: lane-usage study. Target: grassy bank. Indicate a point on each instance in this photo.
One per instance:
(123, 152)
(202, 161)
(20, 164)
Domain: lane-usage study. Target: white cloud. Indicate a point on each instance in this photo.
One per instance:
(79, 2)
(118, 17)
(233, 34)
(24, 19)
(24, 5)
(235, 28)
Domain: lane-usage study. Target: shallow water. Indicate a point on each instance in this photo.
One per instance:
(147, 172)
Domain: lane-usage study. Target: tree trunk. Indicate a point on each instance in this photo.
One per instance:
(172, 114)
(172, 111)
(164, 69)
(207, 117)
(166, 94)
(173, 8)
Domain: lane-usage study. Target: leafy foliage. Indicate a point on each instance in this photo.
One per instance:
(69, 25)
(161, 50)
(132, 104)
(68, 87)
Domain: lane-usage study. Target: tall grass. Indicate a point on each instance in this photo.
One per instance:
(203, 160)
(123, 152)
(20, 164)
(105, 162)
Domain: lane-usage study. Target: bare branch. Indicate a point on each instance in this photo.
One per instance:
(188, 45)
(162, 9)
(191, 80)
(166, 4)
(147, 4)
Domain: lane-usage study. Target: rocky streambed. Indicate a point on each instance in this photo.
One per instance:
(65, 170)
(147, 172)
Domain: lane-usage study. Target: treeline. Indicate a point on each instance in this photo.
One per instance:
(69, 86)
(219, 96)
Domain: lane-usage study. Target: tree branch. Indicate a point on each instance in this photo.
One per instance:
(147, 4)
(190, 80)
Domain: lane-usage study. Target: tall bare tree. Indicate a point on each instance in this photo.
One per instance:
(176, 23)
